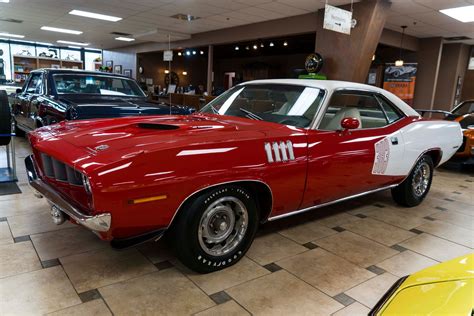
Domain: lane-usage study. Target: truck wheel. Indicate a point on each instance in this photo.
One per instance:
(415, 187)
(5, 119)
(215, 229)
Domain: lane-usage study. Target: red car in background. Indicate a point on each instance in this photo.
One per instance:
(262, 151)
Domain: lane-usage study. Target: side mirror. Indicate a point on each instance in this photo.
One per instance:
(350, 123)
(18, 90)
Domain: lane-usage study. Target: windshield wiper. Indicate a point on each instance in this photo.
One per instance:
(251, 115)
(213, 109)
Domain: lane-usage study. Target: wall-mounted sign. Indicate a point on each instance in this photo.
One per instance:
(401, 80)
(313, 63)
(168, 55)
(337, 20)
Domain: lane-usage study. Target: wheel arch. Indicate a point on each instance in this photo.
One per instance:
(260, 190)
(436, 155)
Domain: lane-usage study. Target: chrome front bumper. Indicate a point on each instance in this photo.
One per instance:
(98, 223)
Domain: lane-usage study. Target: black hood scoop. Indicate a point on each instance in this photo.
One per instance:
(155, 126)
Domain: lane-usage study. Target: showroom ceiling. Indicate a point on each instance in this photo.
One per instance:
(151, 20)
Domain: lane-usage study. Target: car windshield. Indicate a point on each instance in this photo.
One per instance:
(278, 103)
(96, 84)
(466, 108)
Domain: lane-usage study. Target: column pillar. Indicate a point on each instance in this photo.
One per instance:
(210, 68)
(348, 57)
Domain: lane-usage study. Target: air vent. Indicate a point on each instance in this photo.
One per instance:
(185, 17)
(457, 38)
(163, 127)
(120, 33)
(11, 20)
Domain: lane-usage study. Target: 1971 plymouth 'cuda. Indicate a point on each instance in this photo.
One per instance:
(262, 151)
(52, 95)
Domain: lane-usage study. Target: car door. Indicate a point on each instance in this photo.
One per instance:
(343, 163)
(29, 105)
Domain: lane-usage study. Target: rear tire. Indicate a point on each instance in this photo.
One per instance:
(416, 186)
(215, 229)
(5, 119)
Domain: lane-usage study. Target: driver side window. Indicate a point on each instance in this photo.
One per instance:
(353, 104)
(35, 84)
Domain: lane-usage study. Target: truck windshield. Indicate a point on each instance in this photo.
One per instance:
(96, 84)
(292, 105)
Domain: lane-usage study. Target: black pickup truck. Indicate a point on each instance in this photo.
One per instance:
(52, 95)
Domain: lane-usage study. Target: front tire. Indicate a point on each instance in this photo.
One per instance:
(416, 186)
(214, 230)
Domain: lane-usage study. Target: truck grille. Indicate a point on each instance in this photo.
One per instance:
(59, 171)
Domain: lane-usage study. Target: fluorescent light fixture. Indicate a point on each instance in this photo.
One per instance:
(463, 14)
(12, 35)
(76, 47)
(60, 30)
(398, 63)
(4, 1)
(73, 43)
(125, 39)
(95, 15)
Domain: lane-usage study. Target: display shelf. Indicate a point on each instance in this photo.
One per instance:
(23, 65)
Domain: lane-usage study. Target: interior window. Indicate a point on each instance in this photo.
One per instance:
(362, 106)
(392, 113)
(34, 85)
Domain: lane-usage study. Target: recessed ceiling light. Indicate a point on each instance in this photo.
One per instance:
(463, 14)
(194, 52)
(73, 43)
(262, 45)
(60, 30)
(236, 48)
(285, 43)
(180, 54)
(188, 53)
(247, 48)
(12, 35)
(125, 39)
(201, 52)
(271, 44)
(185, 73)
(95, 15)
(255, 46)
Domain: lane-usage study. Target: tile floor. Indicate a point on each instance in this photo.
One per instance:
(338, 260)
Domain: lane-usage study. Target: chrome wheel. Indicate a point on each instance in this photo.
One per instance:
(222, 226)
(421, 179)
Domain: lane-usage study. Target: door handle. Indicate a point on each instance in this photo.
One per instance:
(394, 140)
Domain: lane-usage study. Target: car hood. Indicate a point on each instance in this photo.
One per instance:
(117, 139)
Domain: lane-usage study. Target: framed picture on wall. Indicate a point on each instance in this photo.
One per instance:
(127, 72)
(109, 63)
(118, 69)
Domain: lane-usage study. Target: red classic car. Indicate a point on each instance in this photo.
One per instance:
(261, 151)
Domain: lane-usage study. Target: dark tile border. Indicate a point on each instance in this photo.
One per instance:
(164, 265)
(339, 229)
(441, 208)
(398, 248)
(416, 231)
(361, 216)
(429, 218)
(90, 295)
(344, 299)
(448, 199)
(272, 267)
(376, 270)
(456, 192)
(310, 245)
(50, 263)
(22, 238)
(220, 297)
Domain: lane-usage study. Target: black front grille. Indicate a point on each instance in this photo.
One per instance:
(59, 171)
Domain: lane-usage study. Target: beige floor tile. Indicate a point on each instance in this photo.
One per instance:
(91, 308)
(434, 247)
(281, 293)
(18, 258)
(359, 250)
(230, 308)
(461, 207)
(240, 272)
(102, 267)
(5, 235)
(406, 263)
(456, 218)
(307, 232)
(166, 292)
(355, 309)
(396, 217)
(362, 209)
(38, 292)
(66, 242)
(370, 292)
(337, 220)
(272, 247)
(34, 223)
(156, 251)
(22, 205)
(379, 231)
(450, 232)
(325, 271)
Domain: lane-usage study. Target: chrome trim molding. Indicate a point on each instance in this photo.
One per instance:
(98, 223)
(273, 218)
